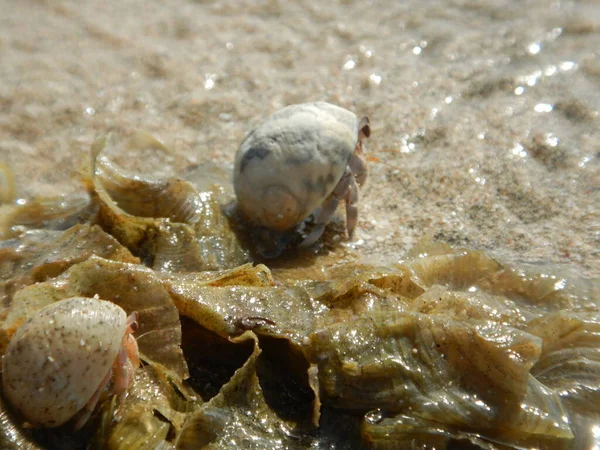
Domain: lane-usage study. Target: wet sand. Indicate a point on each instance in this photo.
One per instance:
(484, 113)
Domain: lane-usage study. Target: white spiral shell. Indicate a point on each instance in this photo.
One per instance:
(57, 359)
(287, 166)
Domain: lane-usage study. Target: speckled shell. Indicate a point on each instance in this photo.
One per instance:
(57, 359)
(288, 165)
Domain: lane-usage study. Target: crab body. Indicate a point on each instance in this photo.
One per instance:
(59, 361)
(304, 159)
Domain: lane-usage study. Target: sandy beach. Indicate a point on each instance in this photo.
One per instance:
(484, 113)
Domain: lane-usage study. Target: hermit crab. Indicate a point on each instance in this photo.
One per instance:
(60, 361)
(303, 160)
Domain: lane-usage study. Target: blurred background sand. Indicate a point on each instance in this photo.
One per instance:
(484, 113)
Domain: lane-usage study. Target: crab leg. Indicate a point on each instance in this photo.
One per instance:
(128, 358)
(129, 342)
(351, 207)
(329, 206)
(123, 372)
(358, 166)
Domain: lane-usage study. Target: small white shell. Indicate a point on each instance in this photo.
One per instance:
(286, 167)
(57, 359)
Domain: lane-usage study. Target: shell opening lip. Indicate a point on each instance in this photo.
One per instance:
(278, 210)
(364, 126)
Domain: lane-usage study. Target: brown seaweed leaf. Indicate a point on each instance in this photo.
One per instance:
(244, 275)
(150, 416)
(465, 374)
(132, 287)
(409, 432)
(474, 349)
(475, 304)
(454, 268)
(238, 417)
(570, 365)
(15, 255)
(166, 221)
(49, 213)
(544, 287)
(347, 282)
(541, 287)
(38, 255)
(224, 302)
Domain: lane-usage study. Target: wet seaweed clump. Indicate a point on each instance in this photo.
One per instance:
(450, 348)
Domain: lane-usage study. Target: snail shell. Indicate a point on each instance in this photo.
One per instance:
(57, 359)
(287, 166)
